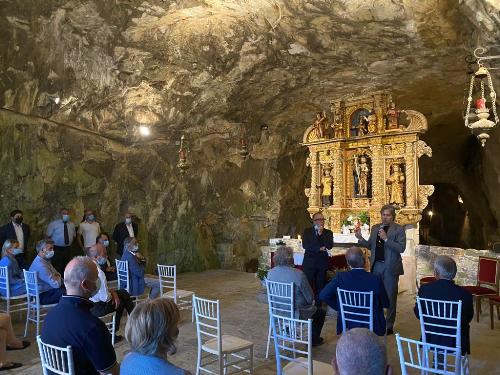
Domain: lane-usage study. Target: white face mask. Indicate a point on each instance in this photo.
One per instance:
(49, 254)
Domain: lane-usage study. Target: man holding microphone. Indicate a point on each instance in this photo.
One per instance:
(316, 240)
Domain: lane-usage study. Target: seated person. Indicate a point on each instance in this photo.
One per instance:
(102, 242)
(10, 249)
(284, 272)
(107, 301)
(71, 323)
(136, 270)
(151, 332)
(360, 351)
(50, 283)
(445, 289)
(357, 280)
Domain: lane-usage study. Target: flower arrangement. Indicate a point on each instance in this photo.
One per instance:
(353, 220)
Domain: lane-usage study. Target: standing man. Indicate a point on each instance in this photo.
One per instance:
(16, 229)
(89, 229)
(126, 228)
(62, 232)
(387, 241)
(316, 241)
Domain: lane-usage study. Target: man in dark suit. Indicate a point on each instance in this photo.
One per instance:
(445, 289)
(16, 229)
(127, 228)
(358, 280)
(387, 241)
(316, 241)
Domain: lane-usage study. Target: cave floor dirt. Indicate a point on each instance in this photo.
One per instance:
(243, 315)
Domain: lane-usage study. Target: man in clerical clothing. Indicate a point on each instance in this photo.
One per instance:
(316, 240)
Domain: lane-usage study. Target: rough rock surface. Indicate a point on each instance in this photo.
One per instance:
(216, 71)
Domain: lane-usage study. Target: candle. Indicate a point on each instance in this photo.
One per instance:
(481, 103)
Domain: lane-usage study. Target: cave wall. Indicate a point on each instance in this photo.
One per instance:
(216, 72)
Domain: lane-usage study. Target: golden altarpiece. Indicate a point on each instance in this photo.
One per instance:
(364, 154)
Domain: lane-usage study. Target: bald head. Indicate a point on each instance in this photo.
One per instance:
(80, 277)
(355, 258)
(360, 351)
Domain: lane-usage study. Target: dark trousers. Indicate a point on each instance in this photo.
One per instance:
(21, 261)
(317, 324)
(62, 256)
(391, 287)
(51, 296)
(104, 308)
(316, 275)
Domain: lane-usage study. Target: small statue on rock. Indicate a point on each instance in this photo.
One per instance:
(392, 115)
(320, 125)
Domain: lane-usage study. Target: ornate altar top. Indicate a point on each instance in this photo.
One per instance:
(364, 154)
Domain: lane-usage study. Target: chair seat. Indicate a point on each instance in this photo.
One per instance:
(230, 344)
(296, 368)
(480, 290)
(495, 299)
(14, 297)
(180, 294)
(427, 279)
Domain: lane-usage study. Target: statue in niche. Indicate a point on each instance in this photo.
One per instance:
(372, 122)
(361, 172)
(359, 122)
(326, 188)
(338, 130)
(392, 117)
(395, 186)
(320, 125)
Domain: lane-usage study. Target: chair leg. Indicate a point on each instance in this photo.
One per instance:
(198, 362)
(268, 341)
(498, 312)
(478, 307)
(251, 359)
(491, 316)
(27, 321)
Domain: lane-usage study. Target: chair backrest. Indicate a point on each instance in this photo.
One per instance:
(4, 282)
(440, 320)
(488, 272)
(110, 321)
(207, 313)
(31, 281)
(428, 358)
(167, 276)
(357, 308)
(290, 336)
(56, 359)
(280, 299)
(122, 275)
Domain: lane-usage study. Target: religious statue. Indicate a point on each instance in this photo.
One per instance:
(372, 122)
(392, 117)
(320, 125)
(326, 188)
(361, 172)
(395, 186)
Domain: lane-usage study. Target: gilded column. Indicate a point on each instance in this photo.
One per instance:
(338, 175)
(314, 197)
(410, 177)
(378, 182)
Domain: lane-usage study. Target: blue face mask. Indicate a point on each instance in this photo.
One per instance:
(105, 243)
(128, 220)
(135, 249)
(91, 217)
(17, 251)
(65, 218)
(101, 261)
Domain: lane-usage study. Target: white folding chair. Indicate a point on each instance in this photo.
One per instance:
(168, 288)
(356, 307)
(55, 359)
(12, 303)
(36, 311)
(442, 319)
(428, 358)
(280, 299)
(110, 321)
(124, 279)
(222, 351)
(289, 335)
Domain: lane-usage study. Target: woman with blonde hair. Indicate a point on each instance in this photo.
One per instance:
(10, 249)
(151, 332)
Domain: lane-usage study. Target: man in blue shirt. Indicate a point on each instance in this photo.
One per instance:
(62, 232)
(71, 322)
(50, 283)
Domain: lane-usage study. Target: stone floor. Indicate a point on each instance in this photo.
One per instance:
(244, 316)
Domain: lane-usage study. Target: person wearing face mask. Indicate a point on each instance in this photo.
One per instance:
(106, 300)
(10, 249)
(20, 231)
(50, 283)
(72, 323)
(136, 269)
(127, 228)
(151, 331)
(62, 232)
(88, 230)
(316, 240)
(102, 243)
